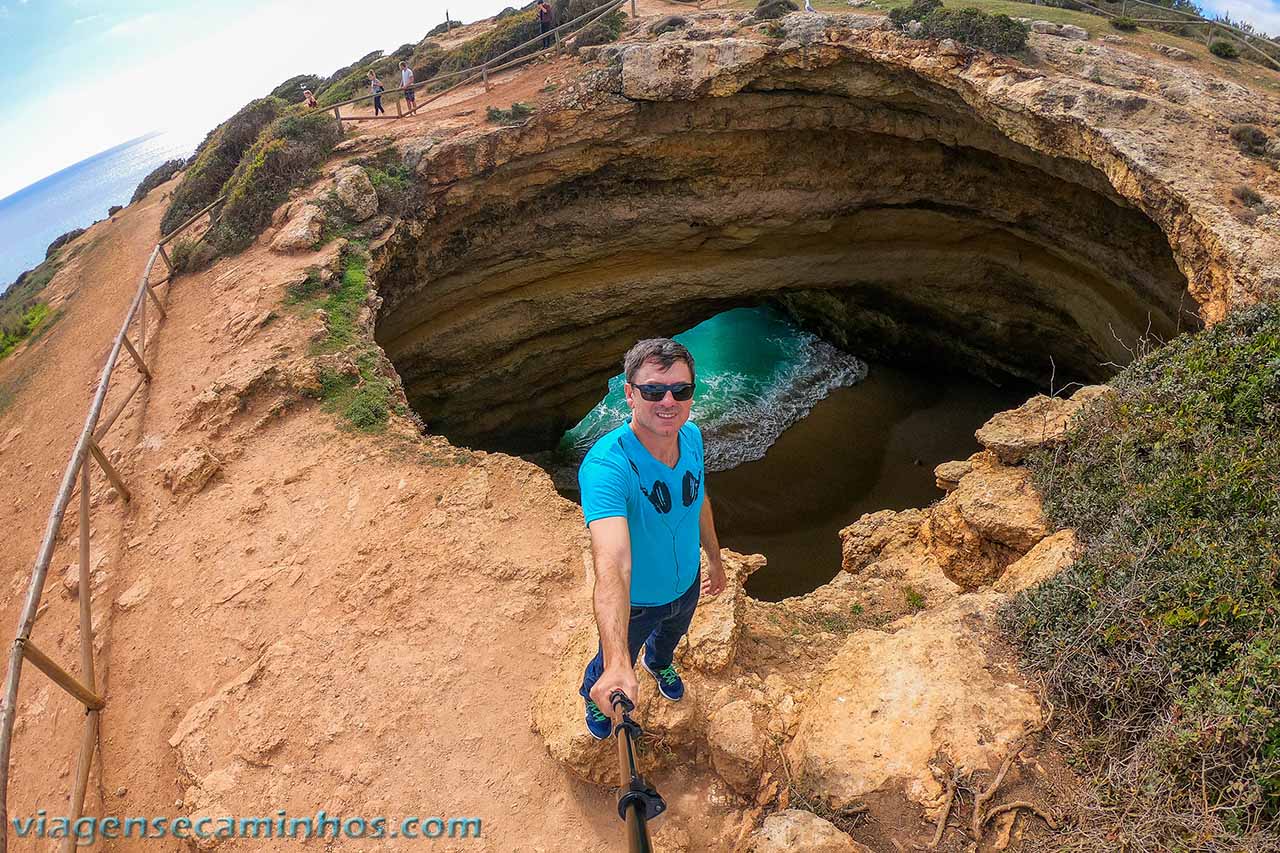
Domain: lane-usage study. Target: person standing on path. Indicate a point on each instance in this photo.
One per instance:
(545, 21)
(644, 503)
(406, 81)
(375, 86)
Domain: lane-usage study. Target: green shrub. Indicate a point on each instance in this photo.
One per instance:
(915, 12)
(1224, 49)
(515, 115)
(996, 33)
(667, 24)
(1124, 23)
(508, 33)
(285, 156)
(1162, 641)
(602, 31)
(158, 176)
(392, 180)
(290, 91)
(769, 10)
(217, 160)
(18, 329)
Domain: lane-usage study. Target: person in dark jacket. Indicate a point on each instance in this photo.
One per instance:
(546, 21)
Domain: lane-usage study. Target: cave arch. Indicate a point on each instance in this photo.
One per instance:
(875, 205)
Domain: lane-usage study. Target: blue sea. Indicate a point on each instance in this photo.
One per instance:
(78, 196)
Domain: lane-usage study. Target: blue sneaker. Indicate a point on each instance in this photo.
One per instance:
(669, 683)
(598, 724)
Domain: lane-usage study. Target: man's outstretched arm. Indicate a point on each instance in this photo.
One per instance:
(713, 583)
(611, 553)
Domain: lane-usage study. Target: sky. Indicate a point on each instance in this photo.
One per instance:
(80, 76)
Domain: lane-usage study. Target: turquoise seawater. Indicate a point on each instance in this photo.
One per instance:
(758, 373)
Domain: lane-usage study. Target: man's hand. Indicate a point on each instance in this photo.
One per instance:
(713, 581)
(614, 678)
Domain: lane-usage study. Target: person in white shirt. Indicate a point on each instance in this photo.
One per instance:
(406, 80)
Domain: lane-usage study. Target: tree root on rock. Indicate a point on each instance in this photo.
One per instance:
(1023, 804)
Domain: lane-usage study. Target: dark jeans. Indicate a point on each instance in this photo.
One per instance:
(545, 27)
(658, 629)
(377, 105)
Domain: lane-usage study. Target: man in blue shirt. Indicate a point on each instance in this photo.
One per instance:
(644, 502)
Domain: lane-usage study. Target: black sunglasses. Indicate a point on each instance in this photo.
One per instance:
(653, 392)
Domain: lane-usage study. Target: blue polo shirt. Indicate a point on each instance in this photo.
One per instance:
(662, 505)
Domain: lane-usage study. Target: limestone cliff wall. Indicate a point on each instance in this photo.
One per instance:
(936, 206)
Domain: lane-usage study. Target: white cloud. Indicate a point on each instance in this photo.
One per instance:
(131, 25)
(252, 53)
(78, 21)
(1262, 14)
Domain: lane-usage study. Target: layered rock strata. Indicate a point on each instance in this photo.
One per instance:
(940, 206)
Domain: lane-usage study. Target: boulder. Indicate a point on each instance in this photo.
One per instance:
(302, 232)
(1013, 435)
(713, 635)
(188, 473)
(948, 474)
(991, 519)
(660, 71)
(559, 718)
(864, 541)
(799, 831)
(888, 703)
(1052, 555)
(356, 192)
(1066, 31)
(737, 746)
(1172, 52)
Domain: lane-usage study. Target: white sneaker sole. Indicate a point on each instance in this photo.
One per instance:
(658, 681)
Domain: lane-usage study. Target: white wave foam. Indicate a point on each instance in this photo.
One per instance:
(746, 431)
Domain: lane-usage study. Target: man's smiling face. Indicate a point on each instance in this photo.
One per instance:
(661, 419)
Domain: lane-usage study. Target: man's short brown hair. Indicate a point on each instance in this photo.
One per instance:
(662, 350)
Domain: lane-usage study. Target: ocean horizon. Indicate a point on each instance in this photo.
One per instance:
(77, 196)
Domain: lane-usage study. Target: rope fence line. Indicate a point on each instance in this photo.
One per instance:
(1195, 20)
(481, 72)
(84, 689)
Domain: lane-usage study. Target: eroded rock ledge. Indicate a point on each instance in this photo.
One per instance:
(874, 682)
(908, 201)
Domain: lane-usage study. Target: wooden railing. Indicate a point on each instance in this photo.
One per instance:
(559, 35)
(1190, 19)
(85, 688)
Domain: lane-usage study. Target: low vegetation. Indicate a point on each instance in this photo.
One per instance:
(29, 324)
(1161, 644)
(1124, 23)
(158, 176)
(290, 91)
(218, 159)
(1224, 49)
(353, 387)
(1249, 138)
(392, 180)
(769, 10)
(284, 156)
(515, 114)
(969, 26)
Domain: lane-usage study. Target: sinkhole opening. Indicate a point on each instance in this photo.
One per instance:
(802, 438)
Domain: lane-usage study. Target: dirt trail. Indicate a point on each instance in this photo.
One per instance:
(52, 381)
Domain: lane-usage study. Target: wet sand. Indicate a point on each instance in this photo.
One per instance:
(865, 448)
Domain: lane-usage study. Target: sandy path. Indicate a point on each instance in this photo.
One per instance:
(53, 381)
